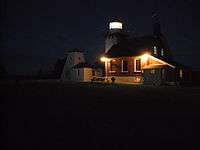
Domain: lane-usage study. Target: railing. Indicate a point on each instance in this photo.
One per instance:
(113, 79)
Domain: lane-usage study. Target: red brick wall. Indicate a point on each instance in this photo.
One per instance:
(118, 72)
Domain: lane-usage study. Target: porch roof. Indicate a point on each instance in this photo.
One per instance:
(155, 66)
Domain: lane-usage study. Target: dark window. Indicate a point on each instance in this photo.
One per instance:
(163, 73)
(138, 65)
(78, 72)
(152, 71)
(93, 72)
(124, 66)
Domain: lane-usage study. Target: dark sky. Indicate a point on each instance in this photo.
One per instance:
(36, 32)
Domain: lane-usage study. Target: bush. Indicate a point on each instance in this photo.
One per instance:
(113, 79)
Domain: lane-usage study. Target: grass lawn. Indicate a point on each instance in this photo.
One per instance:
(55, 115)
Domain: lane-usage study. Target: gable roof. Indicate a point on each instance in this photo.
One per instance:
(136, 46)
(75, 50)
(82, 65)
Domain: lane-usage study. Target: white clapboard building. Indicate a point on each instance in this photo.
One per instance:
(77, 69)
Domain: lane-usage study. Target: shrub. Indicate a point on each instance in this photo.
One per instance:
(113, 79)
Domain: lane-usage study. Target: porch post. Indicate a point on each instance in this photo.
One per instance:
(106, 70)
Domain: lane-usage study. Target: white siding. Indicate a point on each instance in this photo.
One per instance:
(75, 76)
(73, 59)
(81, 74)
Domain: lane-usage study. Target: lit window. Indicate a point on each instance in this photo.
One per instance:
(155, 50)
(152, 71)
(137, 67)
(162, 52)
(181, 73)
(124, 66)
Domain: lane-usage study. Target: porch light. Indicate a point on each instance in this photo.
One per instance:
(145, 57)
(104, 59)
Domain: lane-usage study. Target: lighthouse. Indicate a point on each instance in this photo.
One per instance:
(114, 34)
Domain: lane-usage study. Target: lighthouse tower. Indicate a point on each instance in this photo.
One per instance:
(114, 34)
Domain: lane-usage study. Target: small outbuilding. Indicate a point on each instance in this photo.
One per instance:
(82, 72)
(77, 69)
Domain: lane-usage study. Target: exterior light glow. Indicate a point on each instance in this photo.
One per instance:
(115, 25)
(145, 57)
(137, 79)
(161, 61)
(104, 59)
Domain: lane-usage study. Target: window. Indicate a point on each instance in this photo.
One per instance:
(181, 73)
(78, 72)
(155, 50)
(137, 67)
(113, 66)
(162, 52)
(93, 73)
(124, 66)
(152, 71)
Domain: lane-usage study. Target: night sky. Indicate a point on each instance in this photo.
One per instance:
(35, 33)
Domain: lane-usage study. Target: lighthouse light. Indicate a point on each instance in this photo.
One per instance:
(115, 25)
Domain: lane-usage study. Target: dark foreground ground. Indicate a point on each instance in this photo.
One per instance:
(53, 115)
